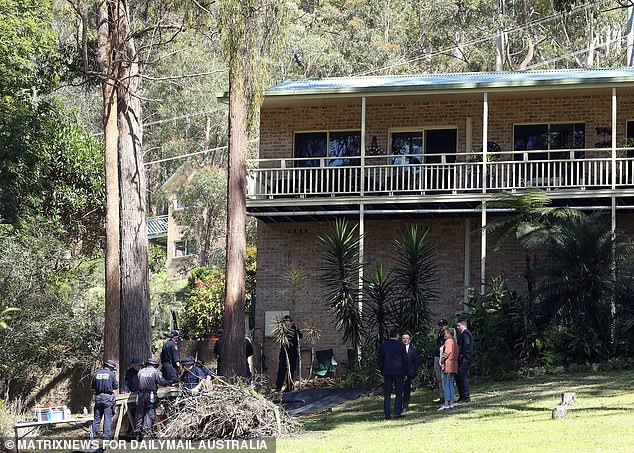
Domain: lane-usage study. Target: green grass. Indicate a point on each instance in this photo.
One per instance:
(509, 416)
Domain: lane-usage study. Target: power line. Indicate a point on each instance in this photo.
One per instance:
(486, 38)
(167, 159)
(574, 53)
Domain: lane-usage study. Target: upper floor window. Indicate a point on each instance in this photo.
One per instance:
(429, 145)
(339, 147)
(549, 137)
(184, 248)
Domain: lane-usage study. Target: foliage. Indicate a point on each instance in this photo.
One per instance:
(339, 274)
(205, 297)
(415, 279)
(493, 334)
(157, 258)
(60, 302)
(379, 302)
(203, 217)
(295, 279)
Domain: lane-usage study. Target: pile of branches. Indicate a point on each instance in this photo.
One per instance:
(222, 410)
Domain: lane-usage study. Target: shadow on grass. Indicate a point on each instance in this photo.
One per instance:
(492, 400)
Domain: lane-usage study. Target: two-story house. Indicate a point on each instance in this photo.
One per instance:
(389, 151)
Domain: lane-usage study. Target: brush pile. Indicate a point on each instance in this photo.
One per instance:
(222, 410)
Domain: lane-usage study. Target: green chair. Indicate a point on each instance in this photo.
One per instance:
(326, 361)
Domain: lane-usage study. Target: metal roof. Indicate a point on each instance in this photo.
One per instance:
(471, 80)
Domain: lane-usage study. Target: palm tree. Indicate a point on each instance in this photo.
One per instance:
(531, 220)
(339, 273)
(415, 279)
(379, 300)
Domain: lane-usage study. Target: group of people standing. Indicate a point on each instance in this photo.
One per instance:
(144, 379)
(399, 362)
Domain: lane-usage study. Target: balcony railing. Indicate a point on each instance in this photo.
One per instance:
(157, 226)
(579, 169)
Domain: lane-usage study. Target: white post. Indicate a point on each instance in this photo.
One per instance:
(361, 252)
(613, 138)
(362, 145)
(467, 258)
(483, 248)
(485, 140)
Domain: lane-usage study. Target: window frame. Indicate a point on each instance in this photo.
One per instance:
(571, 152)
(188, 253)
(327, 156)
(422, 130)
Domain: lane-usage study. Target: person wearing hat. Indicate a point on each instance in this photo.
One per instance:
(150, 379)
(192, 375)
(440, 341)
(131, 380)
(104, 383)
(200, 363)
(284, 375)
(170, 357)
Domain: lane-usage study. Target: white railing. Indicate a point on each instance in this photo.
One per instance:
(440, 173)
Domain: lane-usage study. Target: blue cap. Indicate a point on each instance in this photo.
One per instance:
(110, 364)
(135, 361)
(174, 333)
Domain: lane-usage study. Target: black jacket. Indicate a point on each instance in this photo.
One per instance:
(465, 343)
(393, 358)
(413, 360)
(170, 353)
(104, 381)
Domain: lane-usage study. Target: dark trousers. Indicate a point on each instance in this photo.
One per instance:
(281, 369)
(169, 372)
(390, 382)
(462, 380)
(103, 408)
(145, 413)
(407, 391)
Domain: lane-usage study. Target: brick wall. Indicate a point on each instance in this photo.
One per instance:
(277, 125)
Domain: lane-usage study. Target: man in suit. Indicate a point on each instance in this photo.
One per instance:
(412, 367)
(465, 359)
(394, 368)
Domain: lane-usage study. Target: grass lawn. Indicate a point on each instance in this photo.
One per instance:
(507, 416)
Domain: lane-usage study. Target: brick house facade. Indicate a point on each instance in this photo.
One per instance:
(293, 205)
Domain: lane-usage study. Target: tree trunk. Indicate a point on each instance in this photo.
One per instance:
(630, 36)
(233, 354)
(135, 333)
(105, 14)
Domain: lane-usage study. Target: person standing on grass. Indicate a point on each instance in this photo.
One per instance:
(465, 344)
(449, 367)
(440, 340)
(394, 368)
(412, 368)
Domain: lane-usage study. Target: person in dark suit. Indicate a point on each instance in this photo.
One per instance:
(393, 367)
(412, 368)
(465, 359)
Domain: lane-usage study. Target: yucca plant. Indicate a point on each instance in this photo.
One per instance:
(295, 280)
(280, 333)
(379, 302)
(312, 335)
(415, 279)
(339, 274)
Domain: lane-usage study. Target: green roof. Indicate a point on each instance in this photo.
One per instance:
(455, 81)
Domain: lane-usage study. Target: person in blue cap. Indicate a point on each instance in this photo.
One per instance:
(170, 357)
(131, 380)
(192, 375)
(104, 383)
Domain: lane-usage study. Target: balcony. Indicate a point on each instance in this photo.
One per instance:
(157, 227)
(570, 171)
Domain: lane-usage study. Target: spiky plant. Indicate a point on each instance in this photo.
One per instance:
(339, 274)
(295, 280)
(312, 335)
(379, 301)
(280, 333)
(415, 278)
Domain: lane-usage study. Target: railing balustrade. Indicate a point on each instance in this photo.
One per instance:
(578, 169)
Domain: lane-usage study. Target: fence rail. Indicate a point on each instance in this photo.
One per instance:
(580, 169)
